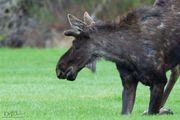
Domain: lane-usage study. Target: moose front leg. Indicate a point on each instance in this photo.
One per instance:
(156, 89)
(175, 72)
(128, 96)
(155, 98)
(129, 89)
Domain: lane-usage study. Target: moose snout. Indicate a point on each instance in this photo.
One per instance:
(60, 74)
(68, 74)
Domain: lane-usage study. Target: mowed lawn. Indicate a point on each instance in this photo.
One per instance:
(29, 90)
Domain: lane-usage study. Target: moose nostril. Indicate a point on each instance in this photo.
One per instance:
(59, 73)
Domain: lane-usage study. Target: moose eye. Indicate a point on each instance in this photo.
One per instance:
(76, 47)
(75, 44)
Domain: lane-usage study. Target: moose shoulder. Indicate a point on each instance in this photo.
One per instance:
(143, 45)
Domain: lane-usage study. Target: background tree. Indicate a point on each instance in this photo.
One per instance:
(34, 23)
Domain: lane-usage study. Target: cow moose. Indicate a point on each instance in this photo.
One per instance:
(144, 45)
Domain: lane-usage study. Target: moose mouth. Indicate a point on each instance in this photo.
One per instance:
(70, 74)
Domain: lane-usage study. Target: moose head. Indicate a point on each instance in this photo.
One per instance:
(80, 54)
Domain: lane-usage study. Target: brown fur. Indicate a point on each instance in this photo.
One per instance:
(143, 45)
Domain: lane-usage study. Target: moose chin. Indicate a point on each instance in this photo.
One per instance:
(144, 45)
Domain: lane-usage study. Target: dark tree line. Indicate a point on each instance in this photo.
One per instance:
(30, 22)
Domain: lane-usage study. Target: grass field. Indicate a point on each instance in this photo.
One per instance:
(29, 90)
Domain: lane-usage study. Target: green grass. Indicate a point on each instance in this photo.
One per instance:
(29, 87)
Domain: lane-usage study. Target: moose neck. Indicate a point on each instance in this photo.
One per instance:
(114, 42)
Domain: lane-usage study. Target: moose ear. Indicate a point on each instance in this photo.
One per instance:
(71, 32)
(88, 19)
(76, 23)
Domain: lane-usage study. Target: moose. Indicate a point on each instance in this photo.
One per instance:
(144, 45)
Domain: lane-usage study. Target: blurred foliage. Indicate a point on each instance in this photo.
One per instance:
(37, 9)
(36, 20)
(1, 37)
(49, 11)
(41, 9)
